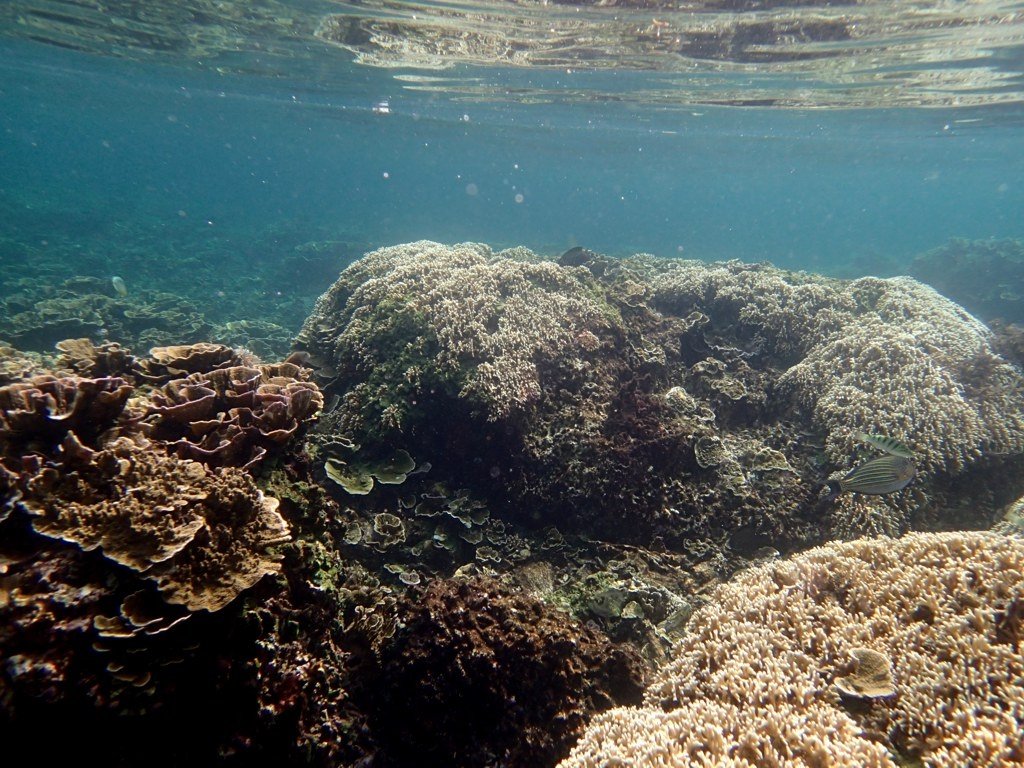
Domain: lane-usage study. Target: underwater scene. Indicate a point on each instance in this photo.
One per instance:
(512, 383)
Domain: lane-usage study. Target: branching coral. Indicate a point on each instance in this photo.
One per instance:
(754, 681)
(913, 365)
(889, 356)
(475, 322)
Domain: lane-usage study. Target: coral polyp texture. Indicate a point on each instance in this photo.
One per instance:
(647, 397)
(762, 676)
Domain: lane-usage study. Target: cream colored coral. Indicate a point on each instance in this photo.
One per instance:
(947, 610)
(493, 315)
(880, 356)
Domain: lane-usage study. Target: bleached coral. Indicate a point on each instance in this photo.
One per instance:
(754, 680)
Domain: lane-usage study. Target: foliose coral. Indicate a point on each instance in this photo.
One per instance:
(759, 677)
(231, 416)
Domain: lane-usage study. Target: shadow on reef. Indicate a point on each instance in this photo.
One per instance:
(473, 509)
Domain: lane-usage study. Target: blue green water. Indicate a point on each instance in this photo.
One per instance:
(108, 140)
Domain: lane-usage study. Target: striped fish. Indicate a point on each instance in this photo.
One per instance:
(884, 443)
(878, 476)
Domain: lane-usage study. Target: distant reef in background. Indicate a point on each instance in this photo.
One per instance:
(483, 496)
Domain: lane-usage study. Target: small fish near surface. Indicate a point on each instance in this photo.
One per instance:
(885, 443)
(887, 474)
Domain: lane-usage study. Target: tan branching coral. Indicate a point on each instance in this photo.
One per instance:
(201, 535)
(491, 316)
(889, 356)
(753, 681)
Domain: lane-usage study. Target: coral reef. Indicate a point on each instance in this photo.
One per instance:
(985, 276)
(478, 675)
(486, 492)
(760, 675)
(650, 398)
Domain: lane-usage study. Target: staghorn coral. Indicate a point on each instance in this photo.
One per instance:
(200, 535)
(478, 675)
(760, 663)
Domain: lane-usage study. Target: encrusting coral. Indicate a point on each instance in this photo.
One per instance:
(762, 675)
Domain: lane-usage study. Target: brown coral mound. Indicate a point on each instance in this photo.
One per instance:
(41, 410)
(480, 676)
(754, 682)
(200, 535)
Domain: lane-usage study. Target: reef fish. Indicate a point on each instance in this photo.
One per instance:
(878, 476)
(119, 286)
(885, 443)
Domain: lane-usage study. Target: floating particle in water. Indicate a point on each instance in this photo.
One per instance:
(471, 189)
(519, 197)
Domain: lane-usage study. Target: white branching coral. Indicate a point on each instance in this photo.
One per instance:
(753, 683)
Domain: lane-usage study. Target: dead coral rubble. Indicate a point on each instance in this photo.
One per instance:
(762, 675)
